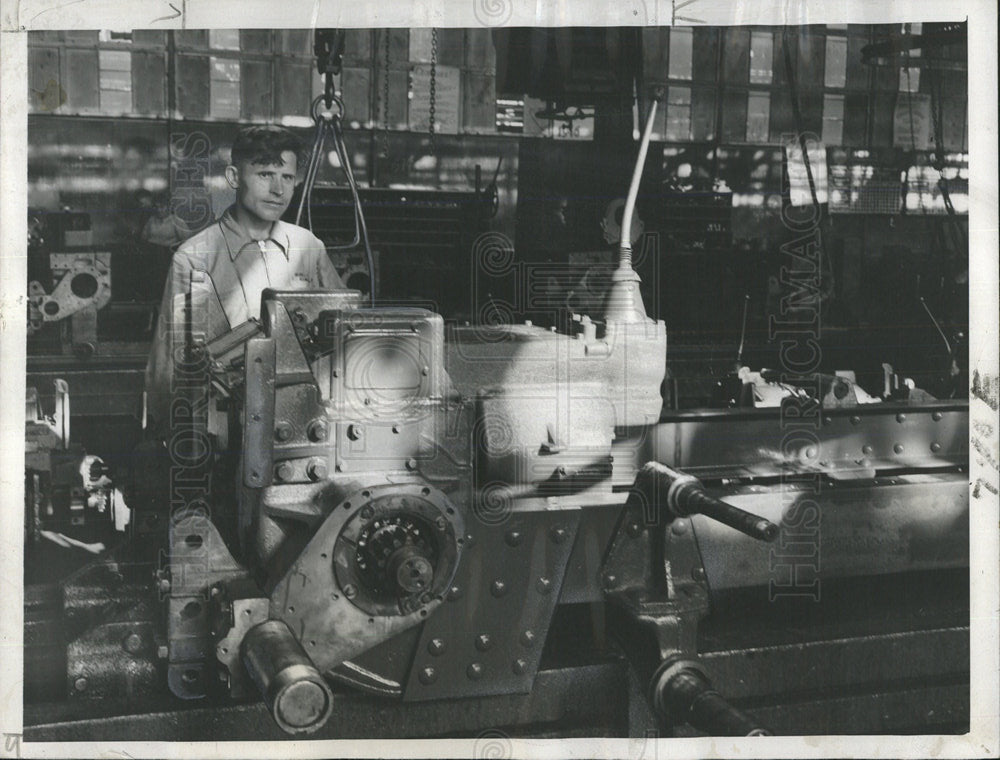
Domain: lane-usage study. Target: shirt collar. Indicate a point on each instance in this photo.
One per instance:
(237, 239)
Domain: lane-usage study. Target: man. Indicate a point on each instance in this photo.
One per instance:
(245, 251)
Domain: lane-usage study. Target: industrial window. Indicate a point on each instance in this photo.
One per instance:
(224, 39)
(115, 81)
(225, 88)
(681, 47)
(761, 57)
(678, 113)
(836, 62)
(758, 112)
(833, 119)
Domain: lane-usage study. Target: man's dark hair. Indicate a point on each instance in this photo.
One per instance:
(264, 145)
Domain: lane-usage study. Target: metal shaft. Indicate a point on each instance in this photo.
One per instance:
(692, 499)
(295, 692)
(683, 692)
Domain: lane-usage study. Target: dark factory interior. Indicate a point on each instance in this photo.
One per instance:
(706, 478)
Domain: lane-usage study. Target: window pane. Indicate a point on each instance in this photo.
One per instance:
(224, 39)
(681, 43)
(678, 113)
(758, 111)
(909, 79)
(761, 57)
(836, 62)
(225, 99)
(833, 119)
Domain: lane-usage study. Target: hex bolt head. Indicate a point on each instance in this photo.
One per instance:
(519, 666)
(474, 671)
(284, 471)
(282, 431)
(317, 469)
(498, 588)
(528, 639)
(427, 676)
(318, 431)
(436, 647)
(356, 431)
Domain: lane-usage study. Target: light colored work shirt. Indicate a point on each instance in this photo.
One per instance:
(237, 270)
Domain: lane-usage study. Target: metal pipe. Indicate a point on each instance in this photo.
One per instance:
(293, 689)
(625, 245)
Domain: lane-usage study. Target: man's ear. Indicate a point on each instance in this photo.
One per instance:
(233, 176)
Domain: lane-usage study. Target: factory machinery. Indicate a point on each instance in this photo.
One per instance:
(367, 524)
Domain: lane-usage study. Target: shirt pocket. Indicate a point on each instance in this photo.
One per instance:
(302, 281)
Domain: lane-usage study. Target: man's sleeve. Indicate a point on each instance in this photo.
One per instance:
(167, 335)
(326, 273)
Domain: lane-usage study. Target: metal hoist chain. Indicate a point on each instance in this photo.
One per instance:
(434, 49)
(385, 100)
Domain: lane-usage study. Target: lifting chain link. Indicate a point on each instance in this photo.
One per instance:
(434, 48)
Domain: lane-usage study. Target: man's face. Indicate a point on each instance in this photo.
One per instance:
(265, 190)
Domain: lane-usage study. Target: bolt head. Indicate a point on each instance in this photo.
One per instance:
(356, 431)
(935, 447)
(498, 588)
(519, 666)
(855, 420)
(474, 671)
(634, 529)
(454, 593)
(513, 538)
(318, 431)
(350, 591)
(558, 535)
(898, 448)
(679, 527)
(284, 471)
(80, 684)
(937, 416)
(427, 676)
(411, 464)
(483, 642)
(543, 585)
(867, 450)
(698, 573)
(528, 639)
(133, 643)
(317, 469)
(282, 431)
(436, 647)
